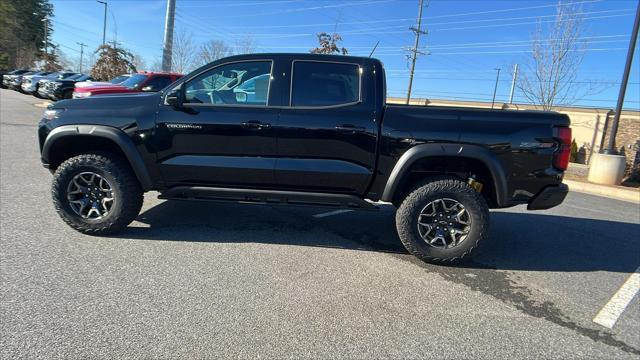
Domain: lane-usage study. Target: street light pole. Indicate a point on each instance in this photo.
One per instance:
(495, 88)
(513, 83)
(104, 24)
(623, 87)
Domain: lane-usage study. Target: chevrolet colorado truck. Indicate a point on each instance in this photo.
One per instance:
(307, 130)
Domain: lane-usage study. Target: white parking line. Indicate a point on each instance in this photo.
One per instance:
(331, 213)
(610, 313)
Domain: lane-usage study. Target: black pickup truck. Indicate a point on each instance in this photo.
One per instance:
(309, 130)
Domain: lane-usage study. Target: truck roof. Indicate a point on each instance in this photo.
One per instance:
(304, 56)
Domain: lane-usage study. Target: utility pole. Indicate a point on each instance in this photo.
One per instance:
(104, 23)
(414, 52)
(513, 83)
(623, 87)
(495, 88)
(168, 35)
(82, 45)
(46, 44)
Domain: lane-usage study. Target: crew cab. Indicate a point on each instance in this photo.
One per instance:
(31, 83)
(116, 80)
(303, 129)
(140, 82)
(59, 89)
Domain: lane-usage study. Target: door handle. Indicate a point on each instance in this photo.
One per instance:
(255, 125)
(350, 128)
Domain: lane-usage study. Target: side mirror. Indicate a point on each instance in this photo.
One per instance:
(173, 98)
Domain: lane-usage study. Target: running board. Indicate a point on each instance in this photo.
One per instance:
(271, 197)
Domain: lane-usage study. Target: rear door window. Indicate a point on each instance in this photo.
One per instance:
(324, 84)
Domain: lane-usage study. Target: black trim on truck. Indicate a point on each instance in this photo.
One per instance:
(549, 197)
(423, 151)
(116, 135)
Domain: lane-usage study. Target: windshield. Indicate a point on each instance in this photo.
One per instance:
(119, 79)
(75, 77)
(134, 81)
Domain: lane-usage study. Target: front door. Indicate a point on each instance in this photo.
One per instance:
(220, 136)
(327, 136)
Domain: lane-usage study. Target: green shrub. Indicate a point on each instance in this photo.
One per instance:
(574, 151)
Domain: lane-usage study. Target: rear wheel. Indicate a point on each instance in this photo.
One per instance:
(96, 194)
(442, 220)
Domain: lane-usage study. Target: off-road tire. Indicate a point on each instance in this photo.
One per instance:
(125, 186)
(436, 188)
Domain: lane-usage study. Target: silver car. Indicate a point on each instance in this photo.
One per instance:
(31, 84)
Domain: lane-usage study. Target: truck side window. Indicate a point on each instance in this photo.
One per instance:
(241, 83)
(324, 83)
(157, 83)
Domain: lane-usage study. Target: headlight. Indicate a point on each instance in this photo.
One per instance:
(80, 95)
(51, 114)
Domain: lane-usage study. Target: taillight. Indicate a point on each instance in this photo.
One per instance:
(561, 156)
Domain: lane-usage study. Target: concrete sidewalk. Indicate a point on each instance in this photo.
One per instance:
(615, 192)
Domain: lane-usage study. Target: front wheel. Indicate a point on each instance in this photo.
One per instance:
(96, 194)
(442, 220)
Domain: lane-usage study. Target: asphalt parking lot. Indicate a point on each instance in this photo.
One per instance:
(194, 279)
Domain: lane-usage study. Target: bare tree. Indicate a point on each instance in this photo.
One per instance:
(246, 45)
(184, 50)
(549, 76)
(139, 62)
(156, 65)
(212, 51)
(328, 44)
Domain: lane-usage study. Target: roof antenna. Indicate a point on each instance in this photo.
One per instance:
(374, 48)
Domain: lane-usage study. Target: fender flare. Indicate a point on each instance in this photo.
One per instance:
(422, 151)
(118, 136)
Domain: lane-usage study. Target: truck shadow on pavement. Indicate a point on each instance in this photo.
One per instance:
(517, 241)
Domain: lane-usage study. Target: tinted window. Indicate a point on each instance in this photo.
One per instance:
(119, 79)
(134, 81)
(242, 83)
(158, 83)
(324, 84)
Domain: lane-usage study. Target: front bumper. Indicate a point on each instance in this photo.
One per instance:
(549, 197)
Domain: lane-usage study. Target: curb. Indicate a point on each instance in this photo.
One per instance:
(603, 190)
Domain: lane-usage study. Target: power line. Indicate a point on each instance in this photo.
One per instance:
(576, 14)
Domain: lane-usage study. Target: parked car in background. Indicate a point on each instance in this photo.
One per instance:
(139, 82)
(63, 88)
(116, 80)
(31, 83)
(7, 78)
(16, 80)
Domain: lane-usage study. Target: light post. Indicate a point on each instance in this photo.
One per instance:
(104, 23)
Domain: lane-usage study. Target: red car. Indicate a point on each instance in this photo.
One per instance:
(140, 82)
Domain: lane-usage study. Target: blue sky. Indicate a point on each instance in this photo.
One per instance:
(467, 40)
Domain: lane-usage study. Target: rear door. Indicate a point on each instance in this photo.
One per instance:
(327, 134)
(220, 137)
